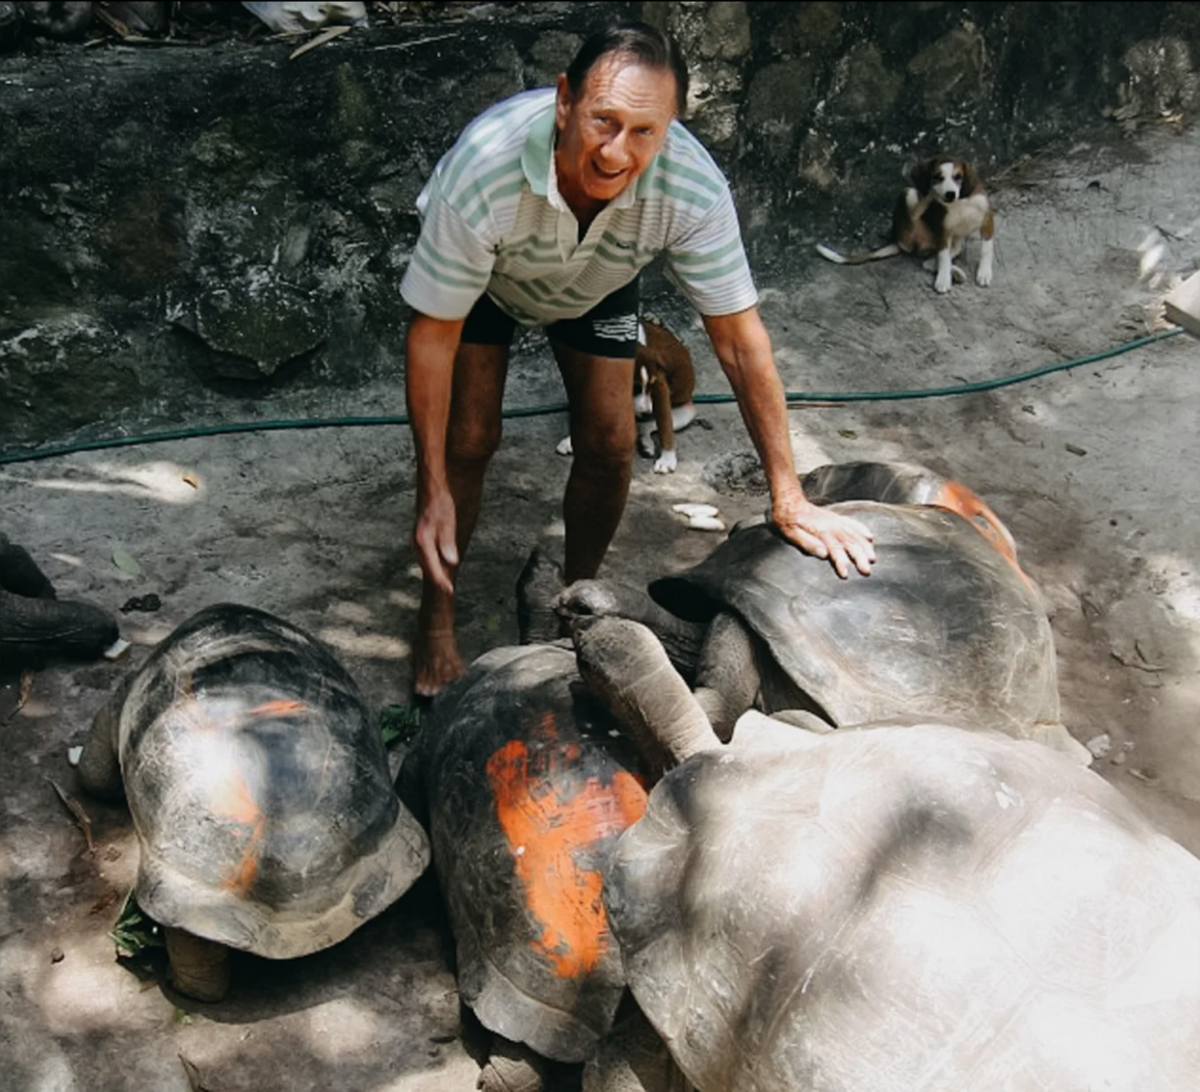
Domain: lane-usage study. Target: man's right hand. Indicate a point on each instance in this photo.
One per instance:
(428, 380)
(434, 540)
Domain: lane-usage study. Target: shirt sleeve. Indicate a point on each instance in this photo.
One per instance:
(451, 263)
(708, 262)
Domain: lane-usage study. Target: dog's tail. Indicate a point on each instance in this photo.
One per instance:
(889, 251)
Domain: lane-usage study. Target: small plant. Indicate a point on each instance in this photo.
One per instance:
(399, 723)
(134, 934)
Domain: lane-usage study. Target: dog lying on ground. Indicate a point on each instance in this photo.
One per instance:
(945, 205)
(664, 382)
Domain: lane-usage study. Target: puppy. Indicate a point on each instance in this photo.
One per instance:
(664, 383)
(945, 205)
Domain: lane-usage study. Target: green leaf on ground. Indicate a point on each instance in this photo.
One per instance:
(126, 563)
(135, 933)
(399, 723)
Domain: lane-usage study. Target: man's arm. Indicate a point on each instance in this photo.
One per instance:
(429, 383)
(743, 347)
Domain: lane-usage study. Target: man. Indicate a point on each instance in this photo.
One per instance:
(542, 213)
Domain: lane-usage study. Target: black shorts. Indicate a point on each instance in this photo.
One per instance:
(608, 329)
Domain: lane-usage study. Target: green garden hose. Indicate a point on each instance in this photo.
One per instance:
(793, 398)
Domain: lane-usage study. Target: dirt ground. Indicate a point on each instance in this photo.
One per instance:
(1090, 467)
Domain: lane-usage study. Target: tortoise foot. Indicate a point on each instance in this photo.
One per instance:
(199, 967)
(512, 1067)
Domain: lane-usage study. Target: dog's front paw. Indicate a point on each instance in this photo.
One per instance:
(665, 463)
(983, 274)
(945, 272)
(647, 445)
(564, 446)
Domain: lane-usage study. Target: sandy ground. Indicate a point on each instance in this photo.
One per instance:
(1091, 468)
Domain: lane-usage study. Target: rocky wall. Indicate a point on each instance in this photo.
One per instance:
(193, 232)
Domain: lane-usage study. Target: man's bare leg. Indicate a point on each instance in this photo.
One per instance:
(604, 436)
(472, 436)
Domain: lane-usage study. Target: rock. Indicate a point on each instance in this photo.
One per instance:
(951, 72)
(254, 329)
(780, 98)
(1099, 745)
(806, 29)
(864, 88)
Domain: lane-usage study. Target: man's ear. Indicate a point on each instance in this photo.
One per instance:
(562, 100)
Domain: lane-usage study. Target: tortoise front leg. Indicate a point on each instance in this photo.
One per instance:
(99, 764)
(512, 1067)
(199, 967)
(727, 677)
(633, 1058)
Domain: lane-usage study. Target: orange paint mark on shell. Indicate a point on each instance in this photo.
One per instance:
(243, 874)
(280, 708)
(964, 501)
(545, 830)
(234, 800)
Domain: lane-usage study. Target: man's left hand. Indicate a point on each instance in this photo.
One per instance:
(825, 534)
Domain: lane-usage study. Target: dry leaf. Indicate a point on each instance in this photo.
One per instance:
(76, 809)
(27, 678)
(104, 903)
(690, 509)
(193, 1075)
(111, 20)
(319, 40)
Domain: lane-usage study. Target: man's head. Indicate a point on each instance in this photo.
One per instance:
(614, 105)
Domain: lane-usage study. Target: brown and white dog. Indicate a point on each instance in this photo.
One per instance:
(945, 205)
(664, 383)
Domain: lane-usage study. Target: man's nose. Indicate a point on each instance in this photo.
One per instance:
(616, 150)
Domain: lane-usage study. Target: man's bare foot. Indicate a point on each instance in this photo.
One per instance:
(436, 662)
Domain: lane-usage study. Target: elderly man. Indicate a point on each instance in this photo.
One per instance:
(543, 213)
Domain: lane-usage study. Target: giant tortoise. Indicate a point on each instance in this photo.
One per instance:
(947, 624)
(525, 782)
(35, 625)
(260, 793)
(931, 906)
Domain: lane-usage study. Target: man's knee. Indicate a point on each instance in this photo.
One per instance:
(472, 440)
(613, 443)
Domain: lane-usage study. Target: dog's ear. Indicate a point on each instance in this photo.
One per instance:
(970, 180)
(922, 176)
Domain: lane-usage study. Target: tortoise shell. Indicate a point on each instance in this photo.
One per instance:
(923, 907)
(527, 785)
(944, 626)
(907, 483)
(259, 788)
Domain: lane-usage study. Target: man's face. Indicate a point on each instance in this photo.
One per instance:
(609, 134)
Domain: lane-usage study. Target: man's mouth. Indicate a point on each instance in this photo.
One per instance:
(610, 175)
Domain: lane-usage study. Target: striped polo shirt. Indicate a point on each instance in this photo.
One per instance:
(493, 220)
